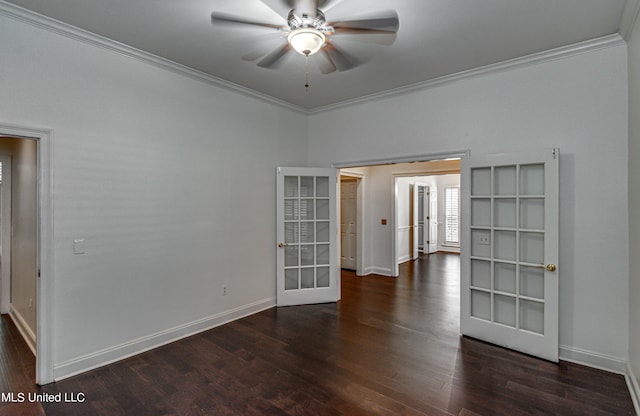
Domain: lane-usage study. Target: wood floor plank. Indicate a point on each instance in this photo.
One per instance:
(17, 371)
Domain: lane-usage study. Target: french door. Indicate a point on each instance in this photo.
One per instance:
(307, 269)
(509, 275)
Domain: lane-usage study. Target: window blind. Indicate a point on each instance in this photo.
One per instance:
(452, 215)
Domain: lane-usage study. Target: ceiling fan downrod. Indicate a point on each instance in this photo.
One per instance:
(306, 84)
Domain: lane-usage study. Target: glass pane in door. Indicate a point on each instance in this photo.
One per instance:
(306, 232)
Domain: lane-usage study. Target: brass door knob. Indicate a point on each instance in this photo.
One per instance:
(551, 267)
(282, 244)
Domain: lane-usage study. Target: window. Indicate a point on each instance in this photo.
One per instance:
(452, 215)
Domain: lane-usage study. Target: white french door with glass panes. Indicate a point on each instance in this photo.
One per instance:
(307, 236)
(509, 280)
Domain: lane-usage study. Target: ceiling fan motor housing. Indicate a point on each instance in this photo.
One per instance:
(306, 21)
(307, 34)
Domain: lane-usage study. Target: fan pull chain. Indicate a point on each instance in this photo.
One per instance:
(306, 85)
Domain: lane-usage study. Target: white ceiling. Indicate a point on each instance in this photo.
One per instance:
(436, 38)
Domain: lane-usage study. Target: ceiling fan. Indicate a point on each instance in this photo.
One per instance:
(308, 32)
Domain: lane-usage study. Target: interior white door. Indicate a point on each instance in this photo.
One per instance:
(348, 223)
(509, 280)
(432, 241)
(420, 219)
(415, 221)
(423, 216)
(306, 258)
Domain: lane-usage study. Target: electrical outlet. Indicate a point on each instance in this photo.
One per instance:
(78, 246)
(224, 290)
(30, 303)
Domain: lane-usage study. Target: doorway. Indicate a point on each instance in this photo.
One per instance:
(31, 225)
(18, 252)
(377, 236)
(349, 222)
(422, 216)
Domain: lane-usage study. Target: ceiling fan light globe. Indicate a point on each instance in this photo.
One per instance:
(306, 41)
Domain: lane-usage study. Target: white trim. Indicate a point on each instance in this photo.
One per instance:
(449, 249)
(5, 223)
(65, 29)
(592, 359)
(629, 18)
(119, 352)
(348, 174)
(23, 328)
(634, 388)
(44, 286)
(360, 228)
(47, 23)
(382, 271)
(511, 64)
(404, 259)
(403, 159)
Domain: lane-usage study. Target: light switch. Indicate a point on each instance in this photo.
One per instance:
(78, 246)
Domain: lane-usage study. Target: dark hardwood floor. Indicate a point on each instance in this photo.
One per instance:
(17, 372)
(390, 347)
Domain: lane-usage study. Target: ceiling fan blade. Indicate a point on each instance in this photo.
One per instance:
(227, 19)
(387, 22)
(253, 55)
(325, 63)
(379, 37)
(262, 46)
(273, 59)
(341, 60)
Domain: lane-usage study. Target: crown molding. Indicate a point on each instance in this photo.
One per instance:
(529, 60)
(629, 18)
(632, 9)
(61, 28)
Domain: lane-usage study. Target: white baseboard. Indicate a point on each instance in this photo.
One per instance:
(116, 353)
(634, 388)
(448, 249)
(26, 332)
(378, 270)
(404, 259)
(593, 359)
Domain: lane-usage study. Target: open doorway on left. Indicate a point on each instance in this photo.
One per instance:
(19, 235)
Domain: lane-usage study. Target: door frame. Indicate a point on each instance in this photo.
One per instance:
(454, 154)
(360, 212)
(44, 230)
(425, 224)
(5, 223)
(358, 180)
